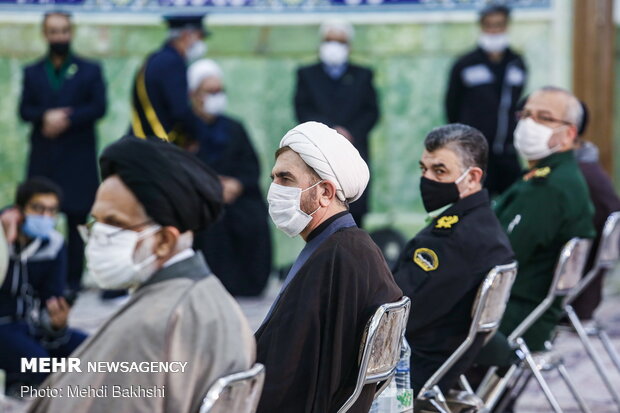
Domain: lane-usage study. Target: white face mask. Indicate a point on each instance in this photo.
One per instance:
(532, 139)
(493, 43)
(285, 208)
(196, 51)
(110, 259)
(333, 53)
(215, 104)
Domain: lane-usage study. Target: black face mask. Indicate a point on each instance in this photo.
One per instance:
(60, 48)
(438, 194)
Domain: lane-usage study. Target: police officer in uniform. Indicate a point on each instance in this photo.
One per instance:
(442, 267)
(485, 86)
(160, 101)
(546, 208)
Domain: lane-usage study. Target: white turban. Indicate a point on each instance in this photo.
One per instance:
(338, 25)
(332, 157)
(200, 70)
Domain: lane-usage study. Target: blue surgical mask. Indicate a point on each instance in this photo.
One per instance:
(38, 226)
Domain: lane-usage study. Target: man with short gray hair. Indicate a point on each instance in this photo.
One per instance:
(546, 208)
(442, 267)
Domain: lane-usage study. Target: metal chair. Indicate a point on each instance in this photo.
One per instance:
(566, 277)
(487, 313)
(607, 256)
(380, 348)
(238, 392)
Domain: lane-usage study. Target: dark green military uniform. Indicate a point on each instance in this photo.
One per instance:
(540, 213)
(441, 270)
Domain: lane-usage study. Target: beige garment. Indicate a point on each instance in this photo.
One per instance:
(173, 317)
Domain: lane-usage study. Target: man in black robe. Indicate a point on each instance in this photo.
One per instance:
(310, 340)
(442, 267)
(238, 245)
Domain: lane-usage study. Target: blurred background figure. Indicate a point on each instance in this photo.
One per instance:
(33, 311)
(340, 94)
(238, 246)
(605, 201)
(160, 106)
(484, 88)
(63, 96)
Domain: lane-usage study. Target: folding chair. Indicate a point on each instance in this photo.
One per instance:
(238, 392)
(487, 313)
(380, 348)
(607, 257)
(565, 278)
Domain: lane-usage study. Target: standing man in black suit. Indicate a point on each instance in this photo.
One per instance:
(63, 96)
(340, 94)
(484, 88)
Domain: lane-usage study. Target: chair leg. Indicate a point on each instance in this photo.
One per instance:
(539, 377)
(495, 393)
(465, 384)
(572, 388)
(598, 363)
(613, 354)
(488, 382)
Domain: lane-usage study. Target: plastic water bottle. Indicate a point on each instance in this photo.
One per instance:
(402, 377)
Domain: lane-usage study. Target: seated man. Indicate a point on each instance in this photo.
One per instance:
(154, 195)
(442, 267)
(310, 340)
(546, 208)
(33, 311)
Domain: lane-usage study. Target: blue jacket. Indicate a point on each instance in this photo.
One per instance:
(35, 274)
(165, 80)
(70, 160)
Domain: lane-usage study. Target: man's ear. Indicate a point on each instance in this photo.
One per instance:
(477, 174)
(167, 241)
(327, 192)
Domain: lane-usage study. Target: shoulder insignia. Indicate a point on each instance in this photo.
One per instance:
(447, 221)
(426, 259)
(537, 173)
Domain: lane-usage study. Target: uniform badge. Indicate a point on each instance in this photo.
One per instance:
(72, 70)
(426, 259)
(539, 173)
(447, 221)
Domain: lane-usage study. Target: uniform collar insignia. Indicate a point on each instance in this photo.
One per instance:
(540, 173)
(447, 221)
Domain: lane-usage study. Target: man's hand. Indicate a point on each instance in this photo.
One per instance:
(55, 122)
(344, 132)
(231, 188)
(10, 220)
(58, 310)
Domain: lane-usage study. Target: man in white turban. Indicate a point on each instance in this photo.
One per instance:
(309, 341)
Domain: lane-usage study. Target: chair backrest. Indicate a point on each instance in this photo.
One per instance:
(380, 347)
(238, 392)
(566, 277)
(609, 247)
(493, 294)
(569, 268)
(487, 313)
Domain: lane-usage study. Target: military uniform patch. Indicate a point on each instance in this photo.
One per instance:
(426, 259)
(447, 221)
(539, 173)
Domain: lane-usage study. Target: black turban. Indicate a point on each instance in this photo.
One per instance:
(174, 186)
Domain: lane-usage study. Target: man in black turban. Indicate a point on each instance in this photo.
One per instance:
(153, 196)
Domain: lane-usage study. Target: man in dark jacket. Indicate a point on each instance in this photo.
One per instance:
(485, 86)
(442, 267)
(160, 101)
(33, 311)
(63, 97)
(339, 94)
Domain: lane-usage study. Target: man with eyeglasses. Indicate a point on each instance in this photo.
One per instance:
(33, 311)
(546, 208)
(153, 197)
(484, 87)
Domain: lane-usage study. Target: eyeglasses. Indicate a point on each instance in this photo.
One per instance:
(42, 209)
(539, 117)
(87, 234)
